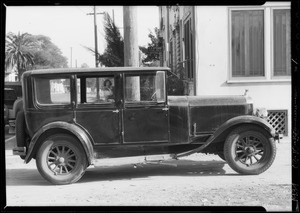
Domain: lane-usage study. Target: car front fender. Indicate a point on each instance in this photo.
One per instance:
(239, 120)
(245, 119)
(72, 128)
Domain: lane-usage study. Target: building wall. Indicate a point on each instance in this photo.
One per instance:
(213, 62)
(172, 21)
(10, 77)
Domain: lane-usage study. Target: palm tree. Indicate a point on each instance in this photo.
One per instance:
(18, 52)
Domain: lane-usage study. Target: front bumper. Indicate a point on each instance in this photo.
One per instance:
(278, 137)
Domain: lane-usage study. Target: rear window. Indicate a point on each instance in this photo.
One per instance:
(52, 91)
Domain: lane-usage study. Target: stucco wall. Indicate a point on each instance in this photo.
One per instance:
(212, 63)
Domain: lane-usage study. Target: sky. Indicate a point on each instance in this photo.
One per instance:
(70, 28)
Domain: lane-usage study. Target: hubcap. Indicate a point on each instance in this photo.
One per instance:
(61, 160)
(249, 150)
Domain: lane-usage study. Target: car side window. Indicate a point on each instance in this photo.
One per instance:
(52, 91)
(95, 90)
(144, 88)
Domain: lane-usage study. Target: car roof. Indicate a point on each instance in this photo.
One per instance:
(94, 70)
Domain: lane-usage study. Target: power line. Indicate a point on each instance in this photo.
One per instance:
(95, 31)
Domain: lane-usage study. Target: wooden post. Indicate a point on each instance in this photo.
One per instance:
(131, 51)
(96, 50)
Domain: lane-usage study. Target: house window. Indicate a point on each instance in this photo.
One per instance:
(171, 55)
(247, 43)
(282, 42)
(188, 48)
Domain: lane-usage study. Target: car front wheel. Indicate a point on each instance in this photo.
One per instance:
(249, 150)
(61, 159)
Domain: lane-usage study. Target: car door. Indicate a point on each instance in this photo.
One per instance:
(96, 108)
(145, 112)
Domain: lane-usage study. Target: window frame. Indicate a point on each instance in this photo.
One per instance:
(94, 105)
(143, 103)
(274, 77)
(189, 75)
(51, 106)
(250, 78)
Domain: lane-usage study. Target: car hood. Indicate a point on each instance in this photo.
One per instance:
(194, 101)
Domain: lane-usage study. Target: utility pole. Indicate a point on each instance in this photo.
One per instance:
(96, 48)
(71, 58)
(95, 32)
(131, 50)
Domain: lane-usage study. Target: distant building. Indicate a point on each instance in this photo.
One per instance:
(225, 50)
(10, 75)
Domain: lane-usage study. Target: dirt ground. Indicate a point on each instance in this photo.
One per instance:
(198, 180)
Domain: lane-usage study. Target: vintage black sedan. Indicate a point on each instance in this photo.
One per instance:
(73, 118)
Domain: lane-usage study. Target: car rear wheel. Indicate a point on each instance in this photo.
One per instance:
(249, 150)
(61, 159)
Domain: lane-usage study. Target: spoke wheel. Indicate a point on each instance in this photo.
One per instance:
(61, 159)
(249, 150)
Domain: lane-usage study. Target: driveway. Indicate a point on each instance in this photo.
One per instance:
(197, 180)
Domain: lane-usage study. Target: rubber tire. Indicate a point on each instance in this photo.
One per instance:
(20, 129)
(72, 143)
(267, 159)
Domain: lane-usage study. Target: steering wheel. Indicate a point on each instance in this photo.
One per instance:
(153, 96)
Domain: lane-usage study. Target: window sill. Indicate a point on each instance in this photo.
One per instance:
(233, 81)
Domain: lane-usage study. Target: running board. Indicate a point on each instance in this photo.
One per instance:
(149, 159)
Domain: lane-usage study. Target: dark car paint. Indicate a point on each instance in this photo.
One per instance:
(122, 129)
(17, 86)
(10, 96)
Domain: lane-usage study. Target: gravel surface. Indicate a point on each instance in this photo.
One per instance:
(197, 180)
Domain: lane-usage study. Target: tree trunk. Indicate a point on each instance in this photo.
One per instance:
(19, 71)
(131, 51)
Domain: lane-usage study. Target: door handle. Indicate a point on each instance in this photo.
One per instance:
(116, 111)
(165, 109)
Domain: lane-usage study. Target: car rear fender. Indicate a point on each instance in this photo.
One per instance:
(69, 128)
(18, 106)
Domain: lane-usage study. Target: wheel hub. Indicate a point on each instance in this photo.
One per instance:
(61, 160)
(250, 150)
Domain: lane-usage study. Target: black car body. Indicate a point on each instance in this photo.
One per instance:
(66, 112)
(12, 103)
